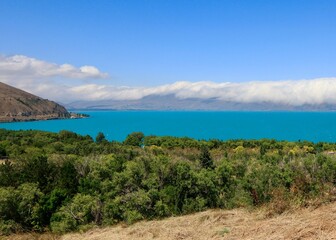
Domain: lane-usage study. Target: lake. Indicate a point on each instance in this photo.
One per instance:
(292, 126)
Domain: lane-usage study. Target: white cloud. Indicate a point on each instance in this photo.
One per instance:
(295, 93)
(48, 80)
(22, 66)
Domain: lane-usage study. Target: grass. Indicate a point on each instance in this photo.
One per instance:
(223, 232)
(315, 222)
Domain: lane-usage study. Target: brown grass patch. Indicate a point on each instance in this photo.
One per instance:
(305, 223)
(31, 236)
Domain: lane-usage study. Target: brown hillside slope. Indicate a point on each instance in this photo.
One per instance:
(18, 105)
(308, 223)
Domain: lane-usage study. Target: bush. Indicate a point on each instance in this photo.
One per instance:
(8, 226)
(135, 139)
(69, 182)
(21, 205)
(82, 210)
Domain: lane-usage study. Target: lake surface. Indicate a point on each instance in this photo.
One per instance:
(293, 126)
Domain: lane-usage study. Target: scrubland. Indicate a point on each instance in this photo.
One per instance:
(66, 186)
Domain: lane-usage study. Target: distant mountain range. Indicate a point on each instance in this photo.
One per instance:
(18, 105)
(171, 102)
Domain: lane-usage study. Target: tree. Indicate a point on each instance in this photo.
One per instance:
(135, 139)
(37, 169)
(100, 137)
(21, 206)
(3, 152)
(81, 210)
(205, 158)
(8, 174)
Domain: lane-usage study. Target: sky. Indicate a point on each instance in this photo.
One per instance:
(239, 50)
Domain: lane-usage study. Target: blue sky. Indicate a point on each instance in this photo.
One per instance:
(154, 42)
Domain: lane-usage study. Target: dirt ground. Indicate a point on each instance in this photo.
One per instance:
(308, 223)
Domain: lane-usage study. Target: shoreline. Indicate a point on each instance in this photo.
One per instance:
(15, 119)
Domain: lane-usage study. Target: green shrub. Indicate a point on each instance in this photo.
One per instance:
(82, 210)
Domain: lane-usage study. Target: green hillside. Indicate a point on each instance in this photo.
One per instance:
(63, 182)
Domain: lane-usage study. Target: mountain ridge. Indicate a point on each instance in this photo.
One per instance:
(171, 102)
(18, 105)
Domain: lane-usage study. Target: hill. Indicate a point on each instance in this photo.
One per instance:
(18, 105)
(64, 182)
(305, 223)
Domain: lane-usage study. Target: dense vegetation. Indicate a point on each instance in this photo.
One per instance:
(65, 182)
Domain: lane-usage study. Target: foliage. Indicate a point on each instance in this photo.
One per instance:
(100, 137)
(205, 158)
(135, 139)
(67, 182)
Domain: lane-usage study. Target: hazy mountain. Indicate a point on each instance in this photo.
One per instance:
(18, 105)
(170, 102)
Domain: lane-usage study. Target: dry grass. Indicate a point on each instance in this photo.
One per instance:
(31, 236)
(307, 223)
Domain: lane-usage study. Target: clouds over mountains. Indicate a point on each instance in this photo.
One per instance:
(53, 81)
(295, 93)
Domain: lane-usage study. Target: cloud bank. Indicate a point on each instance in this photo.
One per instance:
(294, 93)
(53, 81)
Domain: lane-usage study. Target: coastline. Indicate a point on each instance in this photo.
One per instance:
(12, 119)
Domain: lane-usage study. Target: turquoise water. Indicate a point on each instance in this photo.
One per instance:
(293, 126)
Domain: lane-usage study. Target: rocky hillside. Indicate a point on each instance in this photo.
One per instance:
(18, 105)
